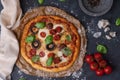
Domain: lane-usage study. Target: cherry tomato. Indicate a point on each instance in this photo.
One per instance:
(103, 63)
(98, 56)
(43, 34)
(108, 70)
(58, 29)
(56, 60)
(89, 58)
(94, 66)
(57, 37)
(51, 55)
(42, 54)
(100, 72)
(53, 31)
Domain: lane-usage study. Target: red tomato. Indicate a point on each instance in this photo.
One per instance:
(58, 29)
(32, 52)
(102, 63)
(98, 56)
(42, 54)
(100, 72)
(43, 34)
(56, 60)
(53, 31)
(51, 55)
(94, 66)
(89, 58)
(57, 37)
(108, 70)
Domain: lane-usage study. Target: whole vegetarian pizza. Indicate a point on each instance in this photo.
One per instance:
(50, 43)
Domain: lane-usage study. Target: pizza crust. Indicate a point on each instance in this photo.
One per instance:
(48, 10)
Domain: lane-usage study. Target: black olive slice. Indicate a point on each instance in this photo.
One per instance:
(36, 44)
(50, 46)
(49, 25)
(34, 29)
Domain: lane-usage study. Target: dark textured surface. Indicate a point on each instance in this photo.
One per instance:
(72, 7)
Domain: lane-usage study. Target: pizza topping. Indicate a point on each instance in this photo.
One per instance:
(58, 29)
(53, 31)
(40, 25)
(36, 44)
(41, 54)
(49, 26)
(56, 60)
(66, 51)
(49, 61)
(50, 46)
(43, 34)
(51, 55)
(30, 38)
(49, 39)
(68, 37)
(32, 52)
(57, 37)
(34, 30)
(64, 56)
(35, 58)
(61, 46)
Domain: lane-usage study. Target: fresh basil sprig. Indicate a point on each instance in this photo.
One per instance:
(101, 49)
(49, 61)
(35, 58)
(41, 1)
(117, 22)
(66, 51)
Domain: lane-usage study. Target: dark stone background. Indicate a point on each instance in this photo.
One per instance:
(72, 7)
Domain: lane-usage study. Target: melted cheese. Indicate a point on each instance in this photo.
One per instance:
(45, 58)
(59, 53)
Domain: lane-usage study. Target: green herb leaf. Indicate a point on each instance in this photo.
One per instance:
(49, 61)
(41, 1)
(22, 79)
(62, 0)
(40, 25)
(117, 22)
(35, 58)
(30, 38)
(66, 51)
(68, 37)
(101, 49)
(49, 39)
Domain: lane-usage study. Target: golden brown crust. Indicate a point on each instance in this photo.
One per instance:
(55, 69)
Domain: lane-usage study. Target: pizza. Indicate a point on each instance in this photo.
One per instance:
(50, 43)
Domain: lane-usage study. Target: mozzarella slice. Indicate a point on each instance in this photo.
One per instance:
(45, 58)
(43, 30)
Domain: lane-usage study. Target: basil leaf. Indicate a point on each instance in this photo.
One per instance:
(40, 25)
(101, 49)
(117, 22)
(62, 0)
(49, 61)
(41, 1)
(68, 37)
(30, 38)
(66, 51)
(49, 39)
(22, 79)
(35, 58)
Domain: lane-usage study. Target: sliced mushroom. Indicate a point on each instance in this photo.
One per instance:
(50, 46)
(34, 29)
(36, 44)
